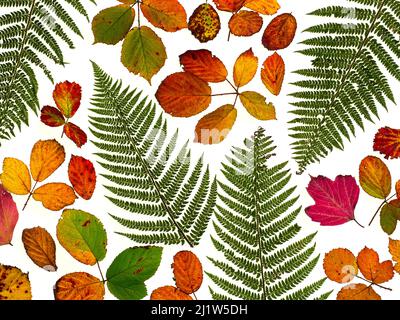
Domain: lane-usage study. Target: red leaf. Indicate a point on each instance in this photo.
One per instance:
(51, 117)
(75, 133)
(8, 216)
(335, 201)
(387, 142)
(82, 175)
(67, 96)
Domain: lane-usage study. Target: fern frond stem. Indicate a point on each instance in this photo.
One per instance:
(101, 273)
(30, 195)
(373, 283)
(380, 206)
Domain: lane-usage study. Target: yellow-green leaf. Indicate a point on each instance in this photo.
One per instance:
(257, 106)
(375, 178)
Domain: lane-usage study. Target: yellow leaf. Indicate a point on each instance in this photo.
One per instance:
(263, 6)
(394, 249)
(46, 157)
(55, 196)
(245, 68)
(15, 177)
(256, 105)
(14, 284)
(79, 286)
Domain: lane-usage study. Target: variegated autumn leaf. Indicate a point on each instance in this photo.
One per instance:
(46, 157)
(8, 216)
(16, 177)
(245, 68)
(55, 196)
(79, 286)
(188, 272)
(375, 178)
(169, 293)
(257, 106)
(14, 284)
(204, 23)
(67, 96)
(373, 270)
(389, 215)
(263, 6)
(280, 32)
(52, 117)
(82, 176)
(245, 23)
(76, 134)
(387, 142)
(229, 5)
(340, 265)
(273, 73)
(357, 291)
(394, 249)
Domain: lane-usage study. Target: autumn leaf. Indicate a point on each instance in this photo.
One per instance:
(169, 293)
(229, 5)
(40, 247)
(387, 142)
(280, 33)
(204, 23)
(82, 176)
(168, 15)
(76, 134)
(394, 249)
(46, 157)
(52, 117)
(82, 235)
(79, 286)
(245, 23)
(67, 96)
(8, 216)
(204, 65)
(16, 177)
(55, 196)
(263, 6)
(183, 94)
(273, 73)
(389, 215)
(335, 201)
(245, 68)
(375, 178)
(14, 284)
(188, 272)
(215, 126)
(257, 106)
(372, 270)
(358, 291)
(143, 52)
(340, 265)
(111, 25)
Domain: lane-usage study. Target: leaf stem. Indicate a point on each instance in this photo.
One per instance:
(30, 195)
(379, 208)
(232, 85)
(373, 283)
(358, 223)
(101, 273)
(223, 94)
(138, 14)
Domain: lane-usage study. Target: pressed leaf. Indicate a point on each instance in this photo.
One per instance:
(169, 293)
(340, 265)
(82, 235)
(67, 96)
(387, 142)
(229, 5)
(397, 187)
(203, 64)
(389, 215)
(111, 25)
(245, 68)
(15, 176)
(55, 196)
(394, 249)
(82, 175)
(76, 134)
(375, 178)
(204, 23)
(257, 106)
(245, 23)
(188, 272)
(280, 32)
(14, 284)
(263, 6)
(8, 216)
(358, 291)
(182, 94)
(79, 286)
(46, 157)
(52, 117)
(168, 15)
(40, 247)
(130, 269)
(273, 73)
(372, 270)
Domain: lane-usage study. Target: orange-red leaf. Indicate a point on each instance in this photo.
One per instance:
(358, 291)
(67, 96)
(368, 263)
(387, 142)
(245, 68)
(204, 65)
(245, 23)
(76, 134)
(52, 117)
(263, 6)
(55, 196)
(340, 265)
(394, 249)
(8, 216)
(280, 33)
(397, 187)
(183, 94)
(169, 293)
(79, 286)
(229, 5)
(273, 73)
(188, 271)
(82, 175)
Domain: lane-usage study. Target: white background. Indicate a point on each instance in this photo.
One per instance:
(108, 57)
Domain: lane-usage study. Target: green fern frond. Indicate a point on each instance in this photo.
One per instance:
(169, 202)
(255, 230)
(30, 31)
(348, 80)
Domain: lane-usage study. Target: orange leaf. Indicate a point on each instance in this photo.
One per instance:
(368, 263)
(204, 23)
(245, 23)
(168, 15)
(273, 73)
(263, 6)
(280, 33)
(40, 247)
(67, 96)
(169, 293)
(215, 126)
(183, 94)
(76, 134)
(229, 5)
(394, 249)
(55, 196)
(387, 142)
(397, 187)
(256, 105)
(340, 265)
(79, 286)
(358, 291)
(82, 175)
(204, 65)
(46, 157)
(375, 178)
(188, 272)
(51, 117)
(245, 68)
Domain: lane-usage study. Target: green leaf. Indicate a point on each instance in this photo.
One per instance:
(390, 213)
(130, 269)
(82, 235)
(143, 52)
(111, 25)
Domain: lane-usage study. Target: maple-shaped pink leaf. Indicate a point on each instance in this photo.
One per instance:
(8, 216)
(335, 201)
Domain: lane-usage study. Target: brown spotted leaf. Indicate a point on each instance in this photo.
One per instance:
(79, 286)
(82, 176)
(204, 23)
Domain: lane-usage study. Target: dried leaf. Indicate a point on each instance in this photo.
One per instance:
(387, 142)
(82, 175)
(389, 215)
(204, 23)
(375, 178)
(168, 15)
(67, 97)
(8, 216)
(394, 249)
(245, 23)
(340, 265)
(15, 176)
(257, 106)
(14, 284)
(273, 73)
(55, 196)
(280, 33)
(52, 117)
(263, 6)
(358, 291)
(229, 5)
(372, 270)
(76, 134)
(397, 187)
(188, 271)
(169, 293)
(245, 68)
(79, 286)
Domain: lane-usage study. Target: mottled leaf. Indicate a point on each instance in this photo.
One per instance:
(204, 23)
(14, 284)
(79, 286)
(67, 96)
(387, 142)
(76, 134)
(82, 175)
(52, 117)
